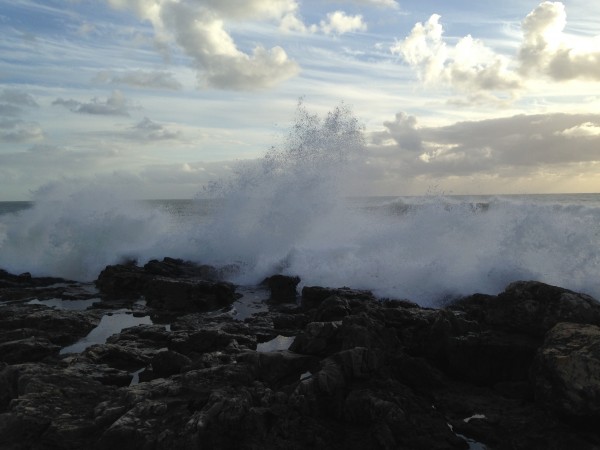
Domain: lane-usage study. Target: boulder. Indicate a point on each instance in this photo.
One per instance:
(122, 280)
(566, 371)
(27, 350)
(282, 287)
(531, 307)
(188, 295)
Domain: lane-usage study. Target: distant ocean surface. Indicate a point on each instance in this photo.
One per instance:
(428, 249)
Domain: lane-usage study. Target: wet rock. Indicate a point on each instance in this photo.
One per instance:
(40, 324)
(167, 363)
(209, 340)
(188, 295)
(117, 356)
(50, 408)
(178, 268)
(122, 280)
(531, 308)
(312, 296)
(27, 350)
(361, 373)
(282, 287)
(566, 372)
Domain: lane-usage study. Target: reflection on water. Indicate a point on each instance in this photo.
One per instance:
(277, 344)
(71, 305)
(109, 325)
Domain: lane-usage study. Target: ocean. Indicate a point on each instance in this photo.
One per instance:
(427, 249)
(288, 212)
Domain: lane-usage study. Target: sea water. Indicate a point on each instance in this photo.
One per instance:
(288, 213)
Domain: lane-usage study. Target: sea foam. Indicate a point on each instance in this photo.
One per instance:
(287, 213)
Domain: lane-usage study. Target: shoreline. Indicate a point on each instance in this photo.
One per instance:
(324, 368)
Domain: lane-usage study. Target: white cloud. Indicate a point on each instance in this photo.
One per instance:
(198, 28)
(542, 30)
(469, 67)
(547, 50)
(472, 68)
(139, 79)
(115, 105)
(338, 22)
(424, 49)
(379, 3)
(587, 129)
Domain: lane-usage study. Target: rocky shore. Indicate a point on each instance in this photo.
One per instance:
(210, 365)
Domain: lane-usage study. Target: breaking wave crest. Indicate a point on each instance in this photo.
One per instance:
(287, 213)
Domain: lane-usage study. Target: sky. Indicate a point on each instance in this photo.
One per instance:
(458, 97)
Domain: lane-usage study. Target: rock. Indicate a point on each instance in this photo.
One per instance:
(177, 268)
(188, 295)
(132, 281)
(208, 340)
(282, 287)
(566, 372)
(312, 296)
(167, 363)
(531, 307)
(51, 408)
(361, 373)
(488, 357)
(333, 308)
(117, 356)
(27, 350)
(122, 280)
(39, 326)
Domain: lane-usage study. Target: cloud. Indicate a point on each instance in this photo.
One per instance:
(115, 105)
(18, 131)
(13, 129)
(587, 129)
(402, 132)
(17, 97)
(139, 79)
(147, 130)
(379, 3)
(338, 22)
(519, 145)
(469, 67)
(7, 110)
(198, 28)
(545, 49)
(472, 68)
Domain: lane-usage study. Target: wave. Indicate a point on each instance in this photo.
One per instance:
(287, 213)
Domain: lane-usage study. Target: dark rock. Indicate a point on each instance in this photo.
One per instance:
(208, 340)
(117, 356)
(188, 295)
(177, 268)
(59, 327)
(566, 372)
(167, 363)
(531, 307)
(26, 280)
(27, 350)
(333, 308)
(282, 287)
(312, 296)
(487, 358)
(122, 280)
(361, 373)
